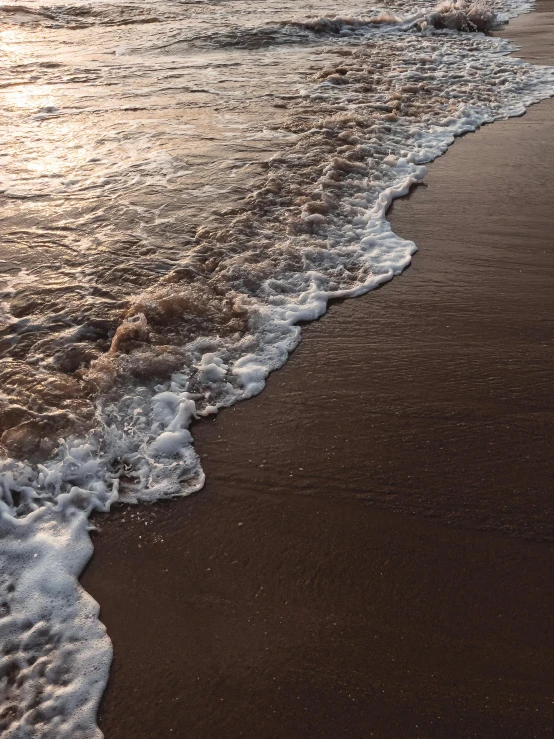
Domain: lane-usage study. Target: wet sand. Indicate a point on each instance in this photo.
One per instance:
(372, 553)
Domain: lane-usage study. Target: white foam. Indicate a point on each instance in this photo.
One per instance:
(55, 654)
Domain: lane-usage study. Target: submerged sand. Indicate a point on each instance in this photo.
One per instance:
(372, 553)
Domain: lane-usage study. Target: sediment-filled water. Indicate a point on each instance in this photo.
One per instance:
(182, 185)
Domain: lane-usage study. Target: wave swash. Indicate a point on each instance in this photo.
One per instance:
(182, 186)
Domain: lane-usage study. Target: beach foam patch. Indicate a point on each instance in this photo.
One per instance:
(54, 654)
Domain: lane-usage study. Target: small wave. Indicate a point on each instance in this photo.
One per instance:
(79, 16)
(457, 15)
(315, 229)
(125, 384)
(460, 15)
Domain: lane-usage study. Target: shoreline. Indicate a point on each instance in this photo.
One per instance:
(283, 599)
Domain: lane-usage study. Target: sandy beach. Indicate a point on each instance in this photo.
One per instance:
(372, 554)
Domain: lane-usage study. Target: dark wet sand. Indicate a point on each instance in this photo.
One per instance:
(372, 555)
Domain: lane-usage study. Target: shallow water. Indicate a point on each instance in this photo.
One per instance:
(182, 184)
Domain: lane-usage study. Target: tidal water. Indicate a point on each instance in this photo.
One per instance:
(182, 184)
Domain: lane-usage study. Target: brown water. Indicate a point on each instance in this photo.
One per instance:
(184, 162)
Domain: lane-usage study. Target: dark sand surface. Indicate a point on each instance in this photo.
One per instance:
(372, 554)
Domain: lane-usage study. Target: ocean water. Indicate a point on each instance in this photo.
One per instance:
(182, 185)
